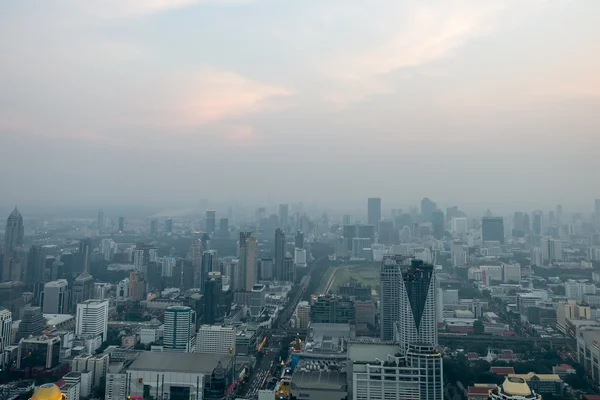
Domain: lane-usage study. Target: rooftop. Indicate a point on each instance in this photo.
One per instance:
(179, 362)
(326, 380)
(516, 386)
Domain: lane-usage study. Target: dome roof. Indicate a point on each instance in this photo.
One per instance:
(49, 391)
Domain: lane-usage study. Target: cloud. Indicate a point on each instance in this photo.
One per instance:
(130, 8)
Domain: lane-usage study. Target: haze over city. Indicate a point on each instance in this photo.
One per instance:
(485, 104)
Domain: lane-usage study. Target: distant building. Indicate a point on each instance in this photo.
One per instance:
(248, 253)
(39, 352)
(55, 298)
(216, 339)
(179, 329)
(32, 323)
(330, 309)
(492, 229)
(92, 318)
(211, 221)
(374, 211)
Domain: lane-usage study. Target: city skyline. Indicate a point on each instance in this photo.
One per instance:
(426, 93)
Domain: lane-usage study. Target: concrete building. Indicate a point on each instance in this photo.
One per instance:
(248, 253)
(514, 388)
(5, 332)
(92, 318)
(179, 329)
(302, 315)
(38, 352)
(55, 298)
(216, 339)
(257, 300)
(511, 273)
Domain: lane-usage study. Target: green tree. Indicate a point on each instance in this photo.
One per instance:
(478, 327)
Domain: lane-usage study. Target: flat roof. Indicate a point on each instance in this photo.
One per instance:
(179, 362)
(326, 380)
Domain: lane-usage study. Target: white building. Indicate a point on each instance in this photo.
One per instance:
(123, 289)
(138, 260)
(216, 339)
(491, 273)
(179, 329)
(55, 298)
(168, 263)
(537, 258)
(302, 315)
(551, 250)
(5, 332)
(474, 274)
(575, 290)
(459, 225)
(511, 273)
(92, 318)
(450, 296)
(300, 257)
(108, 248)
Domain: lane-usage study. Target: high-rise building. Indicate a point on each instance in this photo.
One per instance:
(279, 253)
(213, 288)
(100, 221)
(121, 224)
(209, 264)
(537, 223)
(248, 252)
(257, 300)
(92, 318)
(289, 270)
(551, 250)
(13, 238)
(32, 323)
(211, 221)
(437, 222)
(373, 211)
(427, 208)
(85, 254)
(137, 286)
(596, 210)
(266, 269)
(390, 286)
(37, 265)
(299, 240)
(83, 288)
(5, 332)
(284, 212)
(179, 329)
(537, 258)
(330, 309)
(169, 226)
(492, 229)
(153, 227)
(417, 322)
(387, 234)
(216, 339)
(55, 298)
(302, 315)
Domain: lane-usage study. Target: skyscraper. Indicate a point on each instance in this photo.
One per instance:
(299, 240)
(55, 298)
(417, 322)
(284, 210)
(121, 224)
(100, 221)
(289, 270)
(492, 229)
(13, 238)
(169, 226)
(427, 207)
(248, 251)
(390, 286)
(179, 329)
(537, 223)
(279, 253)
(153, 227)
(5, 331)
(437, 221)
(213, 287)
(209, 262)
(387, 235)
(85, 254)
(374, 211)
(211, 221)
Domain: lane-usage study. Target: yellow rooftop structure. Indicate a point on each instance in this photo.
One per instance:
(541, 377)
(516, 386)
(49, 391)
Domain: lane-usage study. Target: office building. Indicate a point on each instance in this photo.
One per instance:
(179, 329)
(257, 300)
(55, 298)
(537, 257)
(5, 332)
(492, 229)
(41, 352)
(302, 315)
(213, 288)
(417, 322)
(511, 273)
(92, 318)
(330, 309)
(427, 208)
(13, 239)
(137, 286)
(209, 263)
(83, 289)
(387, 234)
(211, 221)
(299, 240)
(284, 216)
(37, 267)
(279, 253)
(537, 223)
(32, 323)
(437, 222)
(266, 269)
(169, 226)
(551, 250)
(100, 221)
(373, 211)
(289, 270)
(248, 252)
(358, 291)
(216, 339)
(121, 224)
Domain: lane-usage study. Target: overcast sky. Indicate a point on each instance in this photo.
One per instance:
(491, 103)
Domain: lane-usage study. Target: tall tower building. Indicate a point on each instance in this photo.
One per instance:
(417, 322)
(437, 221)
(153, 227)
(213, 287)
(299, 240)
(279, 253)
(537, 223)
(284, 215)
(121, 224)
(55, 298)
(209, 264)
(374, 211)
(100, 221)
(427, 207)
(85, 254)
(13, 238)
(289, 270)
(248, 252)
(492, 229)
(195, 254)
(390, 285)
(211, 221)
(92, 318)
(179, 329)
(169, 226)
(5, 332)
